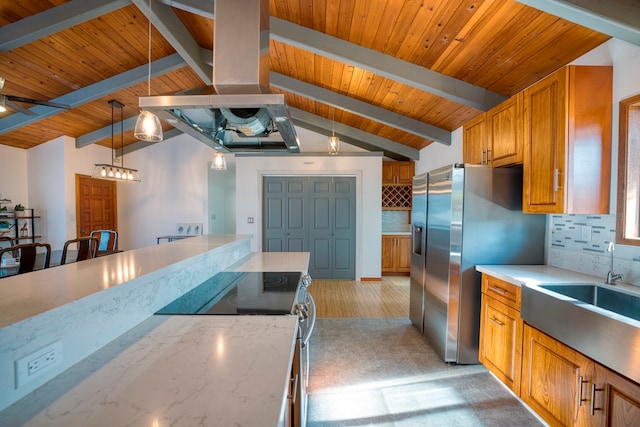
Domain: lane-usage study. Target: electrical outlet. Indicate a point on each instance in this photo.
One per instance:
(35, 364)
(586, 233)
(250, 220)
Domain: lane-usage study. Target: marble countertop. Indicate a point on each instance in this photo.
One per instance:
(273, 261)
(26, 295)
(173, 370)
(540, 274)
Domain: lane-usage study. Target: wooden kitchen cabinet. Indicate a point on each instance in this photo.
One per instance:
(501, 329)
(474, 141)
(616, 400)
(495, 137)
(397, 173)
(504, 133)
(396, 254)
(567, 141)
(556, 381)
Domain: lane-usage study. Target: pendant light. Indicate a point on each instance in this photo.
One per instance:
(112, 172)
(334, 141)
(219, 162)
(148, 127)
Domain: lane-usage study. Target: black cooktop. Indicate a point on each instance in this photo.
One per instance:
(240, 293)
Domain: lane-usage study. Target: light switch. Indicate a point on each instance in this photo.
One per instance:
(586, 233)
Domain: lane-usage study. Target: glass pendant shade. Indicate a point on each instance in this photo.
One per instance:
(219, 162)
(148, 127)
(334, 145)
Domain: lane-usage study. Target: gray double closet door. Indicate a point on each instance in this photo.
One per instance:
(314, 214)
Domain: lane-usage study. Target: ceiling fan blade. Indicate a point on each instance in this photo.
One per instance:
(18, 108)
(37, 102)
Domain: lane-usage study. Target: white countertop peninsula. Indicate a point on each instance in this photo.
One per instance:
(173, 370)
(85, 305)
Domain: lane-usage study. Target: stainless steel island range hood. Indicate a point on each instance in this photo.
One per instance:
(238, 113)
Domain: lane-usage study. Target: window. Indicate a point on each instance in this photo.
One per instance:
(628, 212)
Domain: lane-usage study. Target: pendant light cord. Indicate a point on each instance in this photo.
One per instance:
(149, 54)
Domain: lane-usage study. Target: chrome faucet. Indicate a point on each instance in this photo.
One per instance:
(611, 276)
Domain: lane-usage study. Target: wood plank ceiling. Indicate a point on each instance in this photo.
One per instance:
(369, 75)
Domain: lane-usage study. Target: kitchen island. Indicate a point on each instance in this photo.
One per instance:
(83, 307)
(173, 371)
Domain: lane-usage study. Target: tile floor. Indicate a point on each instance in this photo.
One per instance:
(382, 372)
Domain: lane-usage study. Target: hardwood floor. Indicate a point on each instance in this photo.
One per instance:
(371, 299)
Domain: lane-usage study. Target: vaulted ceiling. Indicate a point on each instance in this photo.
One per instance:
(390, 75)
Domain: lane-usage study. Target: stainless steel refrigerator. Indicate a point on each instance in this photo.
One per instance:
(418, 246)
(474, 216)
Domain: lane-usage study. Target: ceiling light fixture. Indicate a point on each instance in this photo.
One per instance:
(219, 162)
(110, 171)
(148, 127)
(334, 141)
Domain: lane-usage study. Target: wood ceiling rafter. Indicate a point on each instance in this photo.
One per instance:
(498, 46)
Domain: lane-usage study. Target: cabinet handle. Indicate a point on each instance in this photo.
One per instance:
(556, 180)
(489, 156)
(497, 322)
(581, 381)
(294, 395)
(498, 290)
(593, 398)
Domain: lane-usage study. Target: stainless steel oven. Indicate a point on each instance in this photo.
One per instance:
(261, 293)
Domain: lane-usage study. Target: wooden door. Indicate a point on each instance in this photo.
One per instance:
(501, 341)
(556, 380)
(405, 172)
(96, 205)
(617, 403)
(544, 106)
(404, 254)
(504, 125)
(388, 253)
(474, 141)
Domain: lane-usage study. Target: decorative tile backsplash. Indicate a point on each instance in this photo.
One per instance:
(579, 243)
(396, 221)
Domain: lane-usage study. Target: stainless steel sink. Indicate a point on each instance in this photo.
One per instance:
(609, 299)
(598, 320)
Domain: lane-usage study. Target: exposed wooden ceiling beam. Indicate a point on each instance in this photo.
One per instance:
(199, 7)
(617, 18)
(360, 108)
(54, 20)
(354, 136)
(165, 20)
(94, 91)
(383, 65)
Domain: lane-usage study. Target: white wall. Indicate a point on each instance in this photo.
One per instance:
(173, 189)
(437, 155)
(13, 176)
(367, 170)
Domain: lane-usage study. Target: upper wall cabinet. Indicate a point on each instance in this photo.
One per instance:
(504, 132)
(474, 141)
(494, 138)
(397, 180)
(400, 173)
(567, 142)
